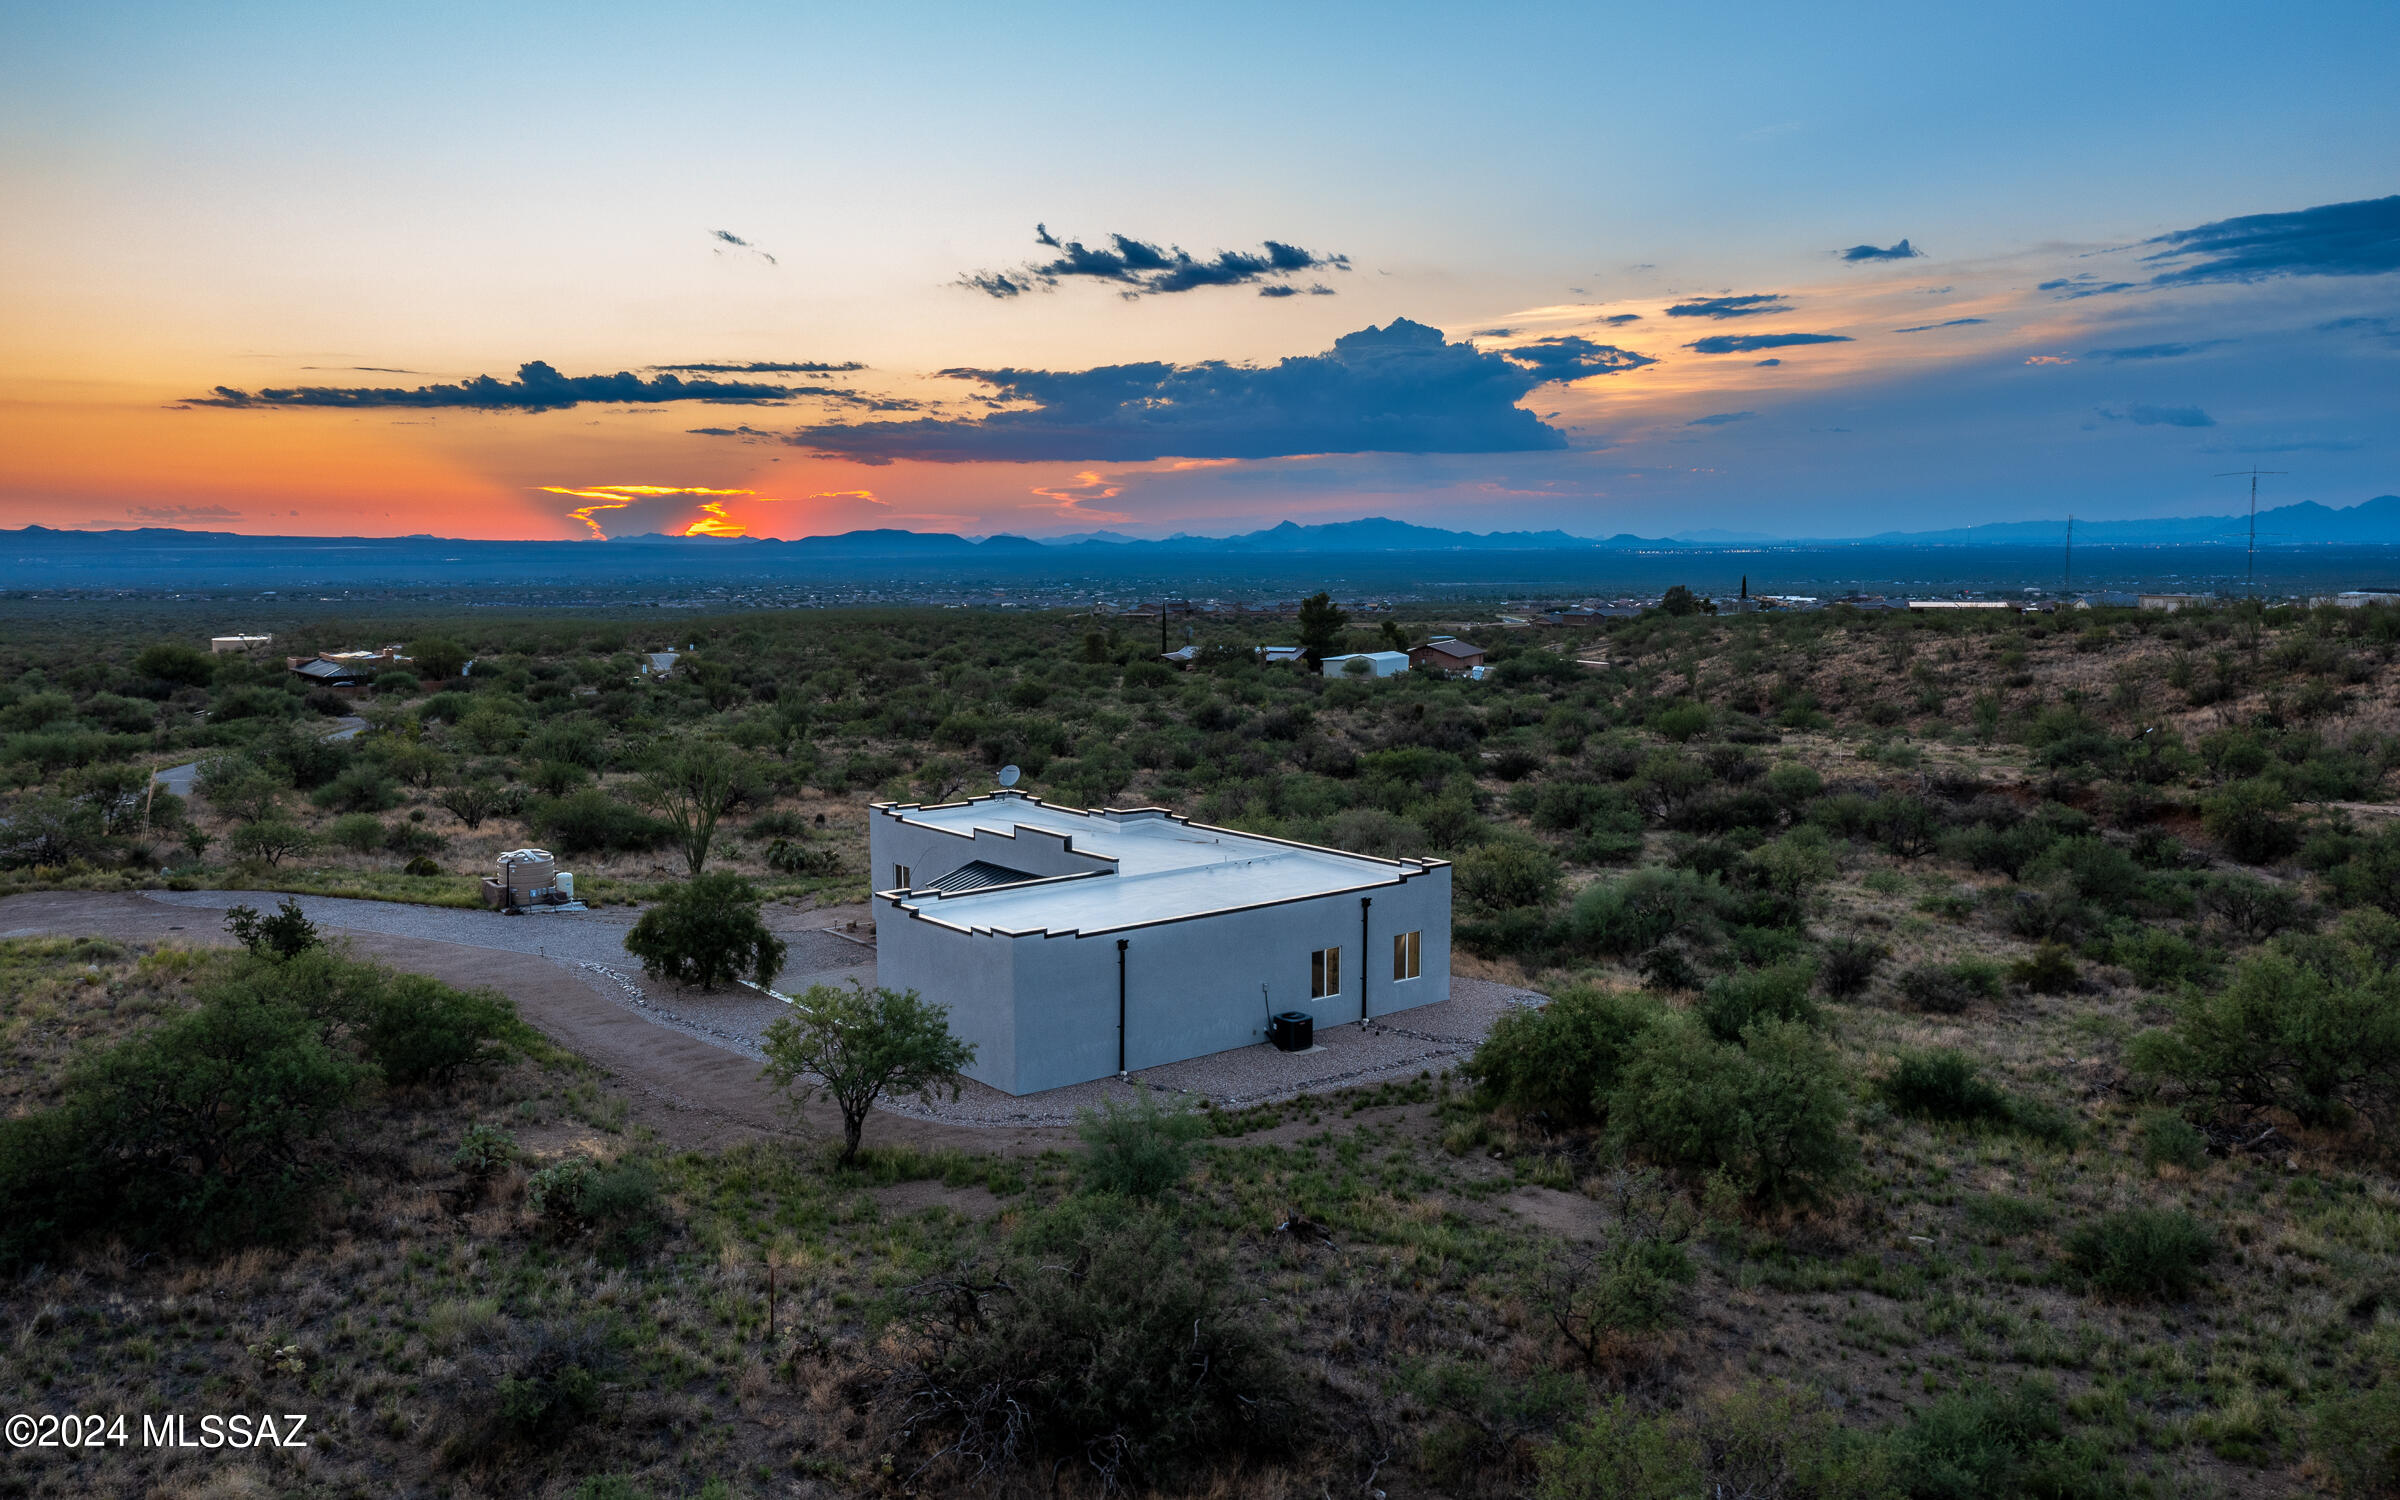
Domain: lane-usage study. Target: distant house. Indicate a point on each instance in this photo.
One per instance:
(660, 663)
(2173, 602)
(1282, 655)
(347, 671)
(2358, 598)
(1378, 664)
(1181, 658)
(1963, 604)
(219, 645)
(1446, 653)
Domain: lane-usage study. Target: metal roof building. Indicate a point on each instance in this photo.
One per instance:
(1070, 944)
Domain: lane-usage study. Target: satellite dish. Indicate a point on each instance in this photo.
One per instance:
(1009, 775)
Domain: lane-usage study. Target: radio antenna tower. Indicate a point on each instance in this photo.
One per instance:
(2066, 581)
(2252, 474)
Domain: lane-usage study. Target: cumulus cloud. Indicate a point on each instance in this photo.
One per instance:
(2333, 239)
(2160, 416)
(1572, 356)
(1720, 418)
(764, 367)
(682, 510)
(1902, 251)
(1731, 307)
(1137, 268)
(1946, 323)
(2152, 351)
(538, 387)
(1397, 389)
(1751, 343)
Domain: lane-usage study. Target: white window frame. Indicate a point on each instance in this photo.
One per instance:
(900, 878)
(1325, 973)
(1408, 955)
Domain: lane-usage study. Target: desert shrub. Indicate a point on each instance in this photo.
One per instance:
(198, 1133)
(556, 778)
(1681, 721)
(2168, 1139)
(2141, 1253)
(419, 1030)
(420, 866)
(271, 841)
(1732, 1002)
(1771, 1112)
(2371, 872)
(616, 1204)
(360, 833)
(2356, 1434)
(706, 932)
(1140, 1149)
(2320, 1039)
(1104, 1338)
(2157, 958)
(2246, 819)
(2050, 971)
(413, 841)
(2003, 1441)
(1947, 989)
(547, 1381)
(1507, 873)
(359, 787)
(1560, 1062)
(1944, 1085)
(1644, 909)
(2252, 909)
(286, 934)
(484, 1152)
(1847, 965)
(798, 857)
(1761, 1438)
(593, 821)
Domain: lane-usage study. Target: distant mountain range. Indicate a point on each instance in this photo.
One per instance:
(155, 557)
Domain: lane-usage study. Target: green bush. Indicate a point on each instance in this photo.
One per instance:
(1947, 989)
(271, 841)
(360, 832)
(706, 932)
(484, 1152)
(419, 1030)
(1560, 1062)
(1761, 1438)
(1106, 1338)
(2050, 971)
(1506, 873)
(2151, 1254)
(1645, 909)
(1772, 1112)
(1846, 965)
(2356, 1433)
(593, 821)
(1975, 1445)
(1944, 1086)
(287, 934)
(1140, 1149)
(2157, 958)
(2168, 1139)
(1733, 1002)
(2246, 818)
(2320, 1039)
(617, 1203)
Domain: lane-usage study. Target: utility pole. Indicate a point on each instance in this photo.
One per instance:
(2252, 473)
(2066, 582)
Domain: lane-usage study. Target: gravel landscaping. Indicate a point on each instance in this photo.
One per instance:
(592, 944)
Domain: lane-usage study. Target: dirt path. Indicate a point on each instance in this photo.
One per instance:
(694, 1095)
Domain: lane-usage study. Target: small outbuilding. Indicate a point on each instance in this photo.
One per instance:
(1446, 653)
(1071, 944)
(1378, 664)
(221, 645)
(347, 671)
(2173, 602)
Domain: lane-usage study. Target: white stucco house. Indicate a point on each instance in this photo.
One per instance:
(1378, 664)
(1072, 944)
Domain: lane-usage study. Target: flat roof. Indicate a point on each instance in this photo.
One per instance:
(1149, 866)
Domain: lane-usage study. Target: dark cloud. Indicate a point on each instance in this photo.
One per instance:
(2152, 351)
(2333, 239)
(1137, 267)
(1767, 364)
(1731, 307)
(1902, 251)
(726, 238)
(1397, 389)
(1621, 319)
(1950, 323)
(1493, 333)
(2381, 328)
(1572, 356)
(2160, 416)
(1751, 343)
(2083, 284)
(363, 369)
(180, 514)
(766, 367)
(1285, 289)
(1720, 418)
(538, 387)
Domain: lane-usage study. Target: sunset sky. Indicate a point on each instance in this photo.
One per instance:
(575, 271)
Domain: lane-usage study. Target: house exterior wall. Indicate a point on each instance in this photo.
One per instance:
(1042, 1010)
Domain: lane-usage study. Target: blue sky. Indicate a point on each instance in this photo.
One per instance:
(257, 199)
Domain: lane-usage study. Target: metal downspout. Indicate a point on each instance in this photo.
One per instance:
(1364, 961)
(1121, 1007)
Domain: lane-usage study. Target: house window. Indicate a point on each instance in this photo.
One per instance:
(900, 877)
(1324, 973)
(1406, 959)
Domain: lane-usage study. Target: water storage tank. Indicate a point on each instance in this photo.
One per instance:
(1293, 1031)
